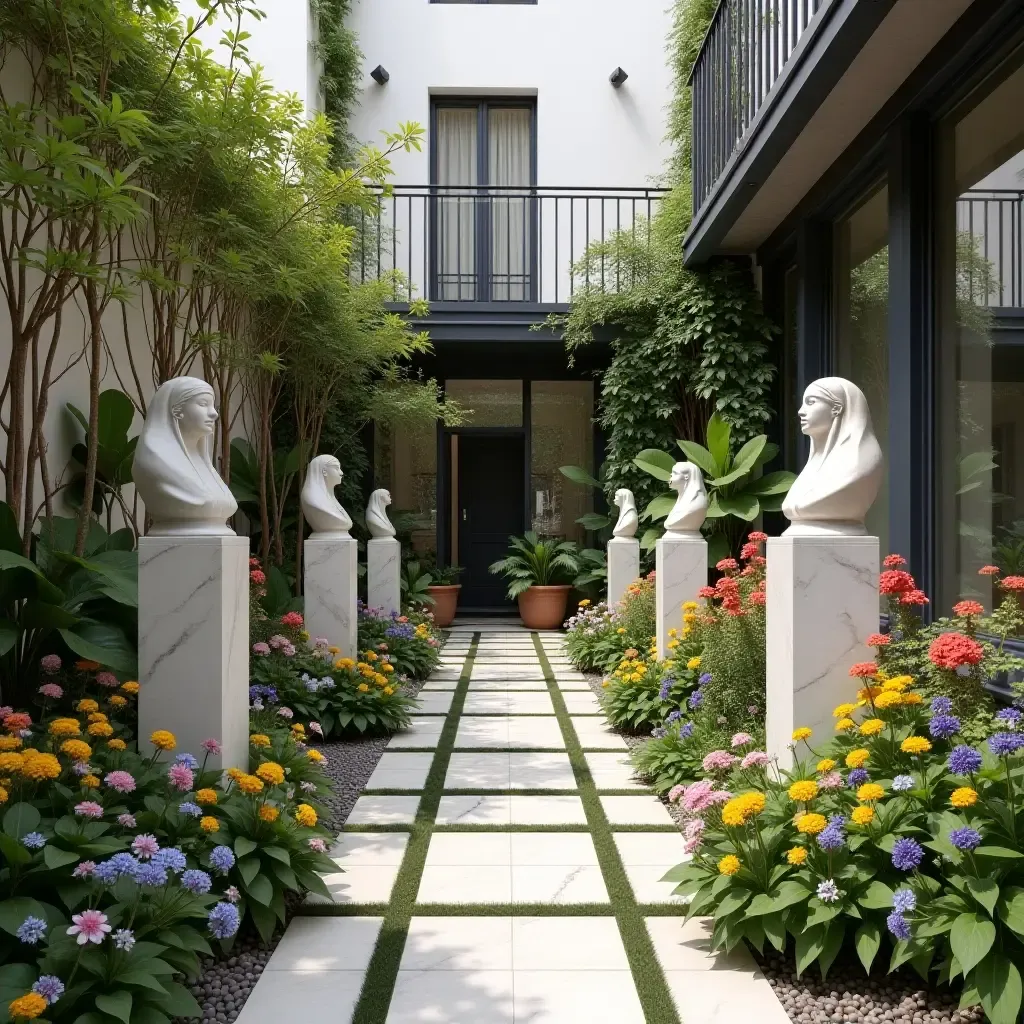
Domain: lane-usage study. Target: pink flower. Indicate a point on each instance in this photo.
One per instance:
(145, 846)
(126, 820)
(123, 782)
(181, 777)
(719, 761)
(286, 712)
(277, 641)
(315, 727)
(831, 781)
(721, 796)
(675, 793)
(288, 650)
(211, 746)
(742, 739)
(694, 827)
(51, 690)
(697, 797)
(318, 846)
(50, 663)
(89, 926)
(257, 576)
(231, 894)
(261, 649)
(84, 869)
(107, 679)
(694, 844)
(321, 641)
(89, 809)
(755, 759)
(6, 711)
(293, 620)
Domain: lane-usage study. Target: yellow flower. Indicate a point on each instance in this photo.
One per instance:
(258, 739)
(11, 764)
(371, 655)
(803, 733)
(117, 744)
(845, 724)
(621, 630)
(585, 603)
(740, 809)
(345, 663)
(898, 683)
(388, 668)
(314, 755)
(163, 740)
(208, 823)
(826, 765)
(690, 606)
(915, 745)
(334, 650)
(796, 856)
(693, 664)
(605, 684)
(299, 728)
(304, 635)
(27, 1007)
(912, 698)
(104, 729)
(729, 864)
(269, 813)
(857, 758)
(363, 688)
(844, 710)
(388, 690)
(118, 701)
(130, 687)
(380, 679)
(65, 727)
(870, 792)
(10, 742)
(234, 774)
(963, 797)
(862, 815)
(87, 705)
(869, 693)
(803, 791)
(206, 796)
(305, 815)
(3, 795)
(90, 782)
(888, 699)
(41, 766)
(673, 644)
(270, 772)
(871, 727)
(97, 716)
(811, 824)
(673, 632)
(249, 784)
(689, 617)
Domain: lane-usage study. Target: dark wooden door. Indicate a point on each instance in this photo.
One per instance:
(491, 509)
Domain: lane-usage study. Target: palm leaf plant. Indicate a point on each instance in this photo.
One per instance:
(533, 562)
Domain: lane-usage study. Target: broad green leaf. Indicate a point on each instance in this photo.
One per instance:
(743, 464)
(14, 911)
(971, 938)
(660, 506)
(20, 819)
(248, 868)
(102, 642)
(55, 857)
(762, 903)
(985, 891)
(261, 889)
(775, 929)
(277, 853)
(771, 484)
(998, 853)
(594, 521)
(179, 1002)
(717, 436)
(243, 846)
(11, 560)
(998, 981)
(8, 635)
(833, 943)
(877, 896)
(790, 893)
(117, 1004)
(700, 456)
(743, 506)
(1011, 909)
(868, 940)
(657, 463)
(578, 475)
(809, 945)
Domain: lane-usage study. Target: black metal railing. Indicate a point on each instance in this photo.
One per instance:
(502, 244)
(990, 247)
(745, 50)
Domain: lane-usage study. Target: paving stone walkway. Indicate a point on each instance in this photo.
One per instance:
(502, 866)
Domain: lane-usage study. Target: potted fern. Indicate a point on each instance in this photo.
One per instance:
(540, 574)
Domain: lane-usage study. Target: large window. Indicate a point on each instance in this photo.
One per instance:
(981, 321)
(405, 462)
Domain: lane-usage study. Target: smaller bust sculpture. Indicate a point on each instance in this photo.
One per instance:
(691, 507)
(840, 482)
(321, 508)
(173, 467)
(628, 519)
(377, 521)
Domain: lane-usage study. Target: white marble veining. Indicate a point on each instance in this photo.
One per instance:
(623, 566)
(383, 571)
(822, 603)
(194, 642)
(681, 563)
(331, 565)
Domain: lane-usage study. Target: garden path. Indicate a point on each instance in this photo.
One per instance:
(503, 866)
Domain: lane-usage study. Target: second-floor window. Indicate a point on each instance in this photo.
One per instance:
(483, 169)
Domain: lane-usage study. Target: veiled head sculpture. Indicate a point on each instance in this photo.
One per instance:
(628, 519)
(377, 521)
(173, 468)
(840, 482)
(691, 507)
(321, 508)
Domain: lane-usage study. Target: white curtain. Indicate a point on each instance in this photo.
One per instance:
(509, 152)
(456, 227)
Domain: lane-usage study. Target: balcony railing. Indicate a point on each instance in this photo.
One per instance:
(744, 53)
(501, 244)
(990, 246)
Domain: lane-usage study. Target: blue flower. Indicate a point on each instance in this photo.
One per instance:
(907, 854)
(965, 838)
(170, 858)
(705, 677)
(902, 783)
(964, 760)
(31, 930)
(695, 699)
(1003, 744)
(904, 901)
(828, 891)
(666, 688)
(50, 987)
(686, 731)
(941, 705)
(223, 921)
(188, 760)
(191, 809)
(943, 726)
(1011, 716)
(124, 938)
(34, 840)
(831, 838)
(118, 865)
(197, 881)
(898, 925)
(222, 860)
(151, 874)
(673, 716)
(659, 732)
(858, 777)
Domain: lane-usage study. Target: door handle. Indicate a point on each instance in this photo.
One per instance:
(465, 517)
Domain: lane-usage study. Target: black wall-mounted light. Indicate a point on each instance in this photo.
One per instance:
(617, 77)
(380, 74)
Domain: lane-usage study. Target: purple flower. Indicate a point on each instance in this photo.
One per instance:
(171, 858)
(898, 926)
(1004, 744)
(705, 677)
(695, 699)
(49, 986)
(857, 777)
(965, 838)
(223, 921)
(964, 760)
(84, 869)
(51, 690)
(31, 930)
(197, 881)
(188, 761)
(941, 706)
(191, 809)
(124, 938)
(902, 783)
(33, 841)
(666, 687)
(942, 727)
(50, 663)
(151, 874)
(659, 732)
(145, 846)
(904, 901)
(686, 731)
(831, 838)
(121, 781)
(828, 891)
(673, 716)
(907, 854)
(222, 860)
(126, 820)
(1011, 716)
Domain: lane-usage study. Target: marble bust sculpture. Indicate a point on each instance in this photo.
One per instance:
(840, 482)
(691, 507)
(321, 508)
(377, 521)
(173, 467)
(628, 519)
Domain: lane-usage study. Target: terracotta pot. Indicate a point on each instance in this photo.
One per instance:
(543, 607)
(445, 601)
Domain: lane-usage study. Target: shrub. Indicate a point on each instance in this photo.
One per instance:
(598, 637)
(642, 692)
(410, 641)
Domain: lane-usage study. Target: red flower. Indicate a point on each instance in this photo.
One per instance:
(1014, 583)
(727, 564)
(951, 650)
(758, 597)
(726, 586)
(989, 570)
(292, 620)
(257, 576)
(707, 592)
(965, 608)
(877, 640)
(894, 561)
(757, 537)
(864, 670)
(914, 597)
(759, 560)
(895, 581)
(254, 563)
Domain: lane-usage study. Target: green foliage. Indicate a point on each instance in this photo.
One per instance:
(641, 693)
(597, 637)
(413, 582)
(533, 562)
(409, 641)
(674, 759)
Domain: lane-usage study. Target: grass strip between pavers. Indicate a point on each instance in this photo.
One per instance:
(655, 998)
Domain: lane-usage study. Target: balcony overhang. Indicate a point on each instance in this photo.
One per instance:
(854, 61)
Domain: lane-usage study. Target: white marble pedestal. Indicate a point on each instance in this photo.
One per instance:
(822, 603)
(681, 569)
(623, 566)
(194, 644)
(383, 570)
(331, 566)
